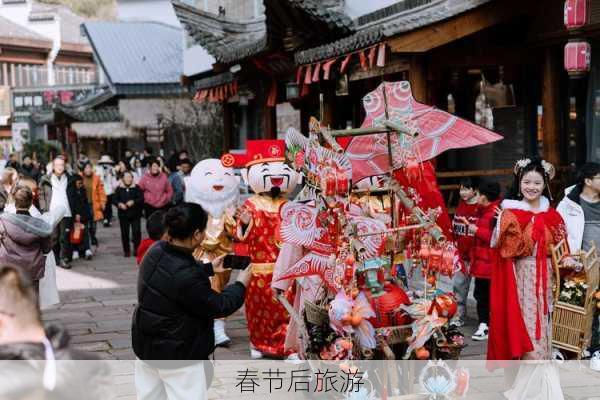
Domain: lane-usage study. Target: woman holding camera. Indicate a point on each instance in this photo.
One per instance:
(177, 308)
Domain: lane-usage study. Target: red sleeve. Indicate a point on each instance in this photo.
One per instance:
(484, 230)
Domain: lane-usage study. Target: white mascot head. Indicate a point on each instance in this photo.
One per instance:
(213, 186)
(266, 170)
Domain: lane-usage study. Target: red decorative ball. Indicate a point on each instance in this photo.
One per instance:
(386, 307)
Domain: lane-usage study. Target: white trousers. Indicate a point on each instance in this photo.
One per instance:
(185, 383)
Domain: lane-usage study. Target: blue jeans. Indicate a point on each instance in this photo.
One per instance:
(460, 285)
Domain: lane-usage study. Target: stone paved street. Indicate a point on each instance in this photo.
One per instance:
(98, 298)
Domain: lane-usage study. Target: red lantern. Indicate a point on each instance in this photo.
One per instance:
(576, 13)
(387, 305)
(577, 57)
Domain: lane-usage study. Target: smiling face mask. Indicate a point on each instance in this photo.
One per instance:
(271, 177)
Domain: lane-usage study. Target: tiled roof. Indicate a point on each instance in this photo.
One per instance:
(356, 41)
(70, 23)
(388, 22)
(224, 39)
(317, 9)
(229, 40)
(137, 52)
(103, 114)
(11, 30)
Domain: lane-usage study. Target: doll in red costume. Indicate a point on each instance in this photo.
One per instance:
(258, 224)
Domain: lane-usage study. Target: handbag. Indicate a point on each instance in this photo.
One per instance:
(76, 235)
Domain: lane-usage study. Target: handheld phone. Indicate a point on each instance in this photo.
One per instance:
(236, 262)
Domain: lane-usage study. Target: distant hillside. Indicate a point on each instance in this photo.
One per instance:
(96, 9)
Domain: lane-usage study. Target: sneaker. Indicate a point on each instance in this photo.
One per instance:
(106, 223)
(255, 354)
(221, 338)
(595, 361)
(88, 254)
(481, 333)
(64, 264)
(75, 255)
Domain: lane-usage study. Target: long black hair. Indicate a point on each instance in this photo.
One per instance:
(535, 164)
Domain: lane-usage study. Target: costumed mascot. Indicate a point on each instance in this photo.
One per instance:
(216, 188)
(258, 225)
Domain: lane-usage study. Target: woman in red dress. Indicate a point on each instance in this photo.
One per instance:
(521, 287)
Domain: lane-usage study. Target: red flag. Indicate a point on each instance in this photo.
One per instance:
(299, 74)
(308, 76)
(344, 65)
(372, 52)
(317, 71)
(327, 68)
(363, 61)
(381, 55)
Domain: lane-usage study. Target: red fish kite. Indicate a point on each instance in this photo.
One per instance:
(438, 131)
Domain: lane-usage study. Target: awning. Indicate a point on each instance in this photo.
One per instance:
(102, 130)
(145, 113)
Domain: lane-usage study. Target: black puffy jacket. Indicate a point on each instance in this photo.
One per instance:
(177, 307)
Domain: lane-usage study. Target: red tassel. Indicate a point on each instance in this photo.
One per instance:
(200, 97)
(317, 71)
(327, 68)
(344, 65)
(381, 55)
(372, 53)
(234, 86)
(299, 74)
(305, 90)
(308, 76)
(363, 61)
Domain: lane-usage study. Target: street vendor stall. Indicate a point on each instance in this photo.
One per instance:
(368, 236)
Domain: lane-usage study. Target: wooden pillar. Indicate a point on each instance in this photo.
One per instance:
(227, 127)
(328, 108)
(551, 106)
(417, 76)
(269, 115)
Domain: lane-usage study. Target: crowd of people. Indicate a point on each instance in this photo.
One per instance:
(137, 185)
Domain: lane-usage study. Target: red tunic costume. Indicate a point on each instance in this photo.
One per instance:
(267, 318)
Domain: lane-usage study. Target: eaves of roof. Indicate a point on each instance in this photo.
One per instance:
(391, 22)
(150, 89)
(224, 39)
(333, 19)
(102, 114)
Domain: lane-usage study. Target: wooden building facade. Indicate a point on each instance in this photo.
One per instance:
(320, 61)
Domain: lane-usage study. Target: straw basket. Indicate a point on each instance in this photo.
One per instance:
(315, 315)
(571, 324)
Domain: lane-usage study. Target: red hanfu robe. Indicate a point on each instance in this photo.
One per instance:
(520, 232)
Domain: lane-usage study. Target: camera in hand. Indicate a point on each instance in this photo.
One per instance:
(236, 262)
